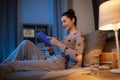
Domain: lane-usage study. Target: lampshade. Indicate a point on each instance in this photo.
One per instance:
(109, 15)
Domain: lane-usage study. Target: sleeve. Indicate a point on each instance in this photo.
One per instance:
(78, 50)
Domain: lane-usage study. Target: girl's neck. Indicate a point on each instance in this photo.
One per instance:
(73, 30)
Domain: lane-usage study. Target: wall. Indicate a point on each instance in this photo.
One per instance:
(34, 11)
(45, 12)
(84, 13)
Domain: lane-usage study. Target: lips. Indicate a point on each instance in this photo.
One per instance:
(65, 27)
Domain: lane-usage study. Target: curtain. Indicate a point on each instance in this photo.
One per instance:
(8, 27)
(60, 7)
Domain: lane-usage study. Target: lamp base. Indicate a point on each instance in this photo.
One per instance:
(116, 71)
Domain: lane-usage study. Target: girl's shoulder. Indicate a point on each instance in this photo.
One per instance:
(76, 34)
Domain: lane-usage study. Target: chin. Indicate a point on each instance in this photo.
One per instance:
(67, 29)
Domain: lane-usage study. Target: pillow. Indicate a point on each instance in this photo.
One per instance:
(94, 45)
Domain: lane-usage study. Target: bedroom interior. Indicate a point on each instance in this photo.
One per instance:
(17, 15)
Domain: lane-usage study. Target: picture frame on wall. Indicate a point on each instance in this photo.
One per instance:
(44, 28)
(30, 33)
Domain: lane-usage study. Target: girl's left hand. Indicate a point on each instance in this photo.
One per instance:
(54, 41)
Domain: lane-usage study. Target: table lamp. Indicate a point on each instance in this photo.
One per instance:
(109, 19)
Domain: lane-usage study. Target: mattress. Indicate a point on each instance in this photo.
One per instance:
(43, 75)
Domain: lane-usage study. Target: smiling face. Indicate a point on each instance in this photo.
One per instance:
(67, 23)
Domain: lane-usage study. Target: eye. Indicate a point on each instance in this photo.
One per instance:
(64, 21)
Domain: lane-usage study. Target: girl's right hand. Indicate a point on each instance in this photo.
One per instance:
(51, 51)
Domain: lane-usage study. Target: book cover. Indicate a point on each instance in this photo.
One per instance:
(43, 38)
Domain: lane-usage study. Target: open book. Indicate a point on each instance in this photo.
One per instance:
(43, 38)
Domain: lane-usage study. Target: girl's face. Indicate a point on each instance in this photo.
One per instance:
(67, 23)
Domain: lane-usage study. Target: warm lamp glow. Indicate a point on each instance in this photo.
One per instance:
(109, 19)
(109, 13)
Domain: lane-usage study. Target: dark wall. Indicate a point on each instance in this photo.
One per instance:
(96, 4)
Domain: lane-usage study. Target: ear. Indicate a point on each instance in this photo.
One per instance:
(73, 20)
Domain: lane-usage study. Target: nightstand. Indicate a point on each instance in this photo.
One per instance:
(85, 75)
(109, 58)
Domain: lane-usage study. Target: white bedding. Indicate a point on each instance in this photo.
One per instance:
(44, 75)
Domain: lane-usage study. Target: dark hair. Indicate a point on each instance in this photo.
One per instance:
(71, 14)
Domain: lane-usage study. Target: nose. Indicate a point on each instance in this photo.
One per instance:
(62, 24)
